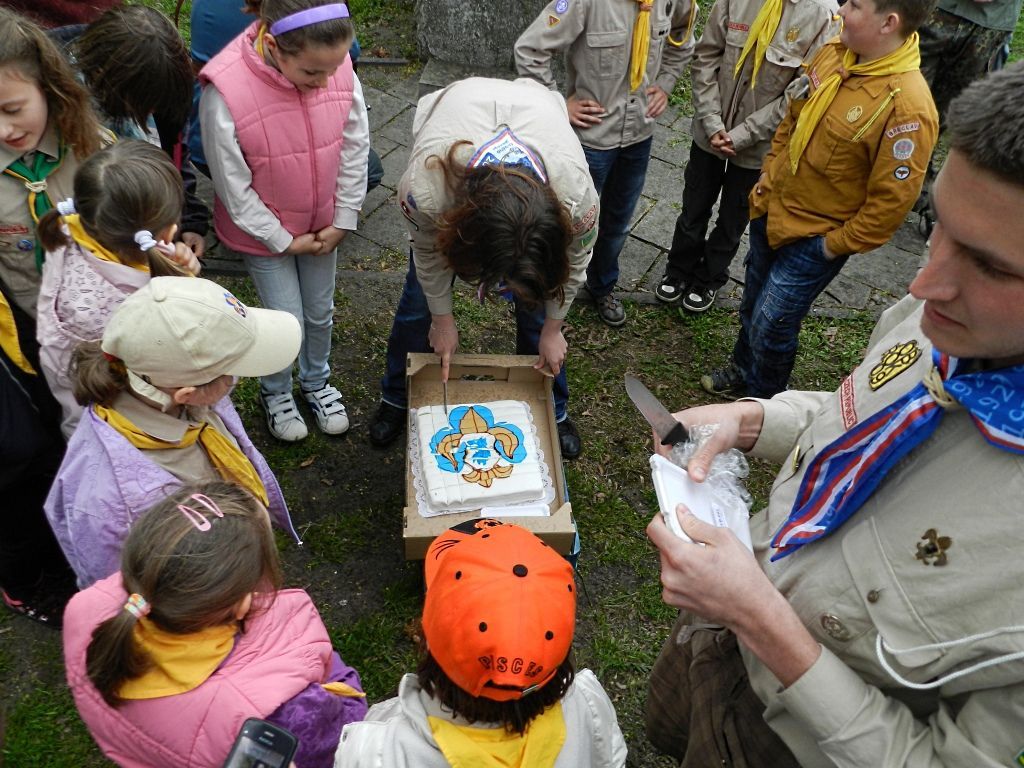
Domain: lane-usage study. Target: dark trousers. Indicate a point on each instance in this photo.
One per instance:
(780, 286)
(697, 259)
(701, 709)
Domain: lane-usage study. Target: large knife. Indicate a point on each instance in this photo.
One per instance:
(666, 427)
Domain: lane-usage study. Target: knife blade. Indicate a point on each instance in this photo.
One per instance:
(444, 389)
(669, 430)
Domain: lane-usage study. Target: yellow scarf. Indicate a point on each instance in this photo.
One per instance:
(641, 44)
(9, 341)
(101, 252)
(906, 58)
(230, 462)
(468, 747)
(760, 35)
(180, 662)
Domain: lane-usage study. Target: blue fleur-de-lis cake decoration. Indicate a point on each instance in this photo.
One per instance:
(477, 447)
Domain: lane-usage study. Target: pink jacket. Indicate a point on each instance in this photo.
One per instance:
(282, 651)
(291, 140)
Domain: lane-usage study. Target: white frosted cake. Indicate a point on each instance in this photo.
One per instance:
(480, 454)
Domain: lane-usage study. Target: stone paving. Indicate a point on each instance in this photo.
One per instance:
(869, 282)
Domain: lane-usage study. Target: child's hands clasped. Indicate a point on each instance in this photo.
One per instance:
(313, 243)
(330, 238)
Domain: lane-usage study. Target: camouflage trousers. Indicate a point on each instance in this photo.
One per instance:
(954, 53)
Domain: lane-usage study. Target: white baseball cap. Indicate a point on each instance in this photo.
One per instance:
(187, 331)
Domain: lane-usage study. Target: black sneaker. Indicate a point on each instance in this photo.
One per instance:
(725, 382)
(698, 300)
(569, 439)
(670, 290)
(387, 424)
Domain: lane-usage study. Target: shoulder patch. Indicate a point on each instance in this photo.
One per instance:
(738, 27)
(893, 362)
(586, 221)
(902, 172)
(902, 149)
(896, 130)
(561, 6)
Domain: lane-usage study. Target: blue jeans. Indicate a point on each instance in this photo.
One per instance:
(781, 284)
(303, 286)
(618, 176)
(409, 334)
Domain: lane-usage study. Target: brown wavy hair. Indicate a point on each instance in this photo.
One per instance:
(192, 579)
(136, 65)
(504, 226)
(28, 51)
(323, 33)
(126, 187)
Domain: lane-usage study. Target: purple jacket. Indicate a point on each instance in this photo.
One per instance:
(273, 672)
(105, 483)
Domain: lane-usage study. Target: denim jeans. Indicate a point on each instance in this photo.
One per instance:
(303, 286)
(781, 284)
(409, 334)
(618, 176)
(694, 261)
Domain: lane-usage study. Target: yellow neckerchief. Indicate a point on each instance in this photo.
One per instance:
(230, 462)
(760, 35)
(9, 341)
(180, 662)
(906, 58)
(101, 252)
(468, 747)
(339, 688)
(641, 44)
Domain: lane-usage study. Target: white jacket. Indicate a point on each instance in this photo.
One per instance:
(396, 734)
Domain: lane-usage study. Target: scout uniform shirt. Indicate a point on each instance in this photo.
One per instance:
(517, 124)
(598, 35)
(932, 557)
(723, 101)
(863, 167)
(18, 230)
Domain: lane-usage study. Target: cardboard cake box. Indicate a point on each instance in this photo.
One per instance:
(483, 379)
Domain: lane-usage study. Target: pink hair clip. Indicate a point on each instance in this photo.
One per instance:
(196, 517)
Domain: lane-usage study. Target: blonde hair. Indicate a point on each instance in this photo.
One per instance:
(192, 578)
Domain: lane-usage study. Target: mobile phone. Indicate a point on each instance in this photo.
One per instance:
(262, 745)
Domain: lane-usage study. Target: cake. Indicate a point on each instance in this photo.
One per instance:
(479, 454)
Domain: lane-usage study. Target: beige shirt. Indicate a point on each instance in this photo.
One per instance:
(724, 102)
(518, 120)
(866, 583)
(18, 230)
(190, 464)
(597, 36)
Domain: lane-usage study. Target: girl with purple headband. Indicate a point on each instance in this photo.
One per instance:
(168, 657)
(286, 137)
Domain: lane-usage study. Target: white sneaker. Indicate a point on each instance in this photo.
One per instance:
(330, 413)
(283, 418)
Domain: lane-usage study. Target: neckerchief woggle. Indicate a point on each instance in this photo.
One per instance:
(34, 179)
(847, 471)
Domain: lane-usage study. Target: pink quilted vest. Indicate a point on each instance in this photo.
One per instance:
(291, 140)
(281, 652)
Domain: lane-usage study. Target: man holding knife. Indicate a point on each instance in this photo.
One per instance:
(497, 192)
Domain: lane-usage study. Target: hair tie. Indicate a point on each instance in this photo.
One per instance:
(137, 605)
(66, 207)
(309, 16)
(145, 240)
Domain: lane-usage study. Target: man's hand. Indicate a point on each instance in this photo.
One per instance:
(721, 142)
(584, 113)
(330, 237)
(758, 187)
(722, 583)
(739, 425)
(196, 242)
(657, 100)
(552, 347)
(444, 340)
(303, 244)
(825, 250)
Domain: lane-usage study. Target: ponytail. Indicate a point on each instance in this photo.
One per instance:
(113, 657)
(94, 377)
(51, 234)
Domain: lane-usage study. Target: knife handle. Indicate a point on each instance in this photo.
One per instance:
(678, 434)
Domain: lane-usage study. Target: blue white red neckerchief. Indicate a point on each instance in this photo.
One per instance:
(506, 149)
(847, 471)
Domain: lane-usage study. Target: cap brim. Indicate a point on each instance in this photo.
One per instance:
(278, 338)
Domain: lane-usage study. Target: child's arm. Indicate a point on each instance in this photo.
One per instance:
(707, 59)
(678, 49)
(555, 29)
(350, 191)
(232, 179)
